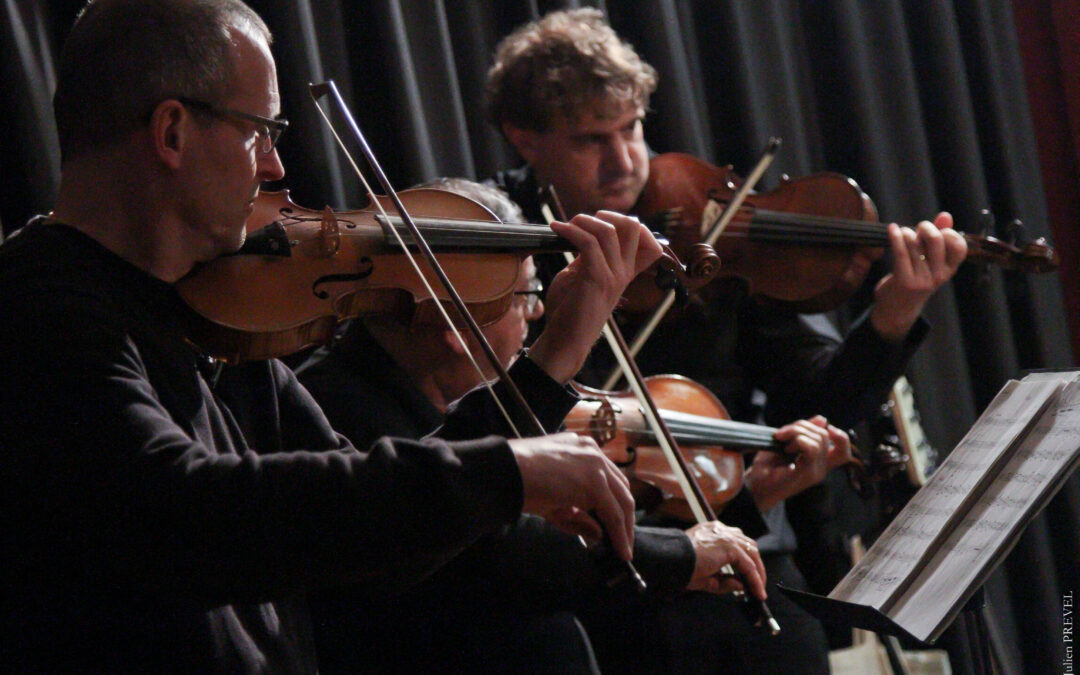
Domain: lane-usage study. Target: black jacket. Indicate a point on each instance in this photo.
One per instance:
(524, 570)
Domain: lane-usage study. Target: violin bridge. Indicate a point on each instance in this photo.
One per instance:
(710, 215)
(603, 425)
(329, 235)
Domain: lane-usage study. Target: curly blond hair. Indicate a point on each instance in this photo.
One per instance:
(567, 63)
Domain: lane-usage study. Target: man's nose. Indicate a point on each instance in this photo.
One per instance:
(536, 312)
(270, 166)
(617, 157)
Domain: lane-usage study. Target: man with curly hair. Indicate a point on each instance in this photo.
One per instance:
(570, 96)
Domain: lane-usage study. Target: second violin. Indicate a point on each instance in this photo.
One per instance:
(709, 440)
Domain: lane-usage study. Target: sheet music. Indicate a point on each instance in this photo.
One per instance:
(905, 545)
(1029, 478)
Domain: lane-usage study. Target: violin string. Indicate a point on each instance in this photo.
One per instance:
(423, 277)
(686, 439)
(759, 228)
(817, 229)
(717, 434)
(720, 224)
(821, 221)
(825, 230)
(460, 232)
(701, 429)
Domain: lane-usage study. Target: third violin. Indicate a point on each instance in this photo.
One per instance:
(795, 243)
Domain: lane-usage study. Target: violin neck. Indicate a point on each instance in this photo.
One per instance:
(779, 227)
(801, 228)
(452, 233)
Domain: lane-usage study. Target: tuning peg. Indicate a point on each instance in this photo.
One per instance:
(1016, 231)
(984, 222)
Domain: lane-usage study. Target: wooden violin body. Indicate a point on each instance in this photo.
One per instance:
(709, 441)
(302, 272)
(798, 243)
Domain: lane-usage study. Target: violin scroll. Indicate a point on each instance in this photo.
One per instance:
(704, 263)
(673, 274)
(1035, 257)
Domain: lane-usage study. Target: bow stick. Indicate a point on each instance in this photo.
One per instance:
(695, 497)
(712, 233)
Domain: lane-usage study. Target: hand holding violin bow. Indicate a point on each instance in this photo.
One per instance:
(570, 483)
(718, 548)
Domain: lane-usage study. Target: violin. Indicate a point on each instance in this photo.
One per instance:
(711, 443)
(795, 243)
(707, 438)
(301, 272)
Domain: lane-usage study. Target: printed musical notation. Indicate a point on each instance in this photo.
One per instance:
(947, 539)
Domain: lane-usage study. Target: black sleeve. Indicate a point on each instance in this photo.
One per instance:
(146, 483)
(804, 370)
(539, 566)
(477, 413)
(742, 512)
(541, 562)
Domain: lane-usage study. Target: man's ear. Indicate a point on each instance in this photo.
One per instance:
(525, 141)
(452, 343)
(170, 124)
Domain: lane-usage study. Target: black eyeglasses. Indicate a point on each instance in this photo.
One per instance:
(532, 296)
(269, 130)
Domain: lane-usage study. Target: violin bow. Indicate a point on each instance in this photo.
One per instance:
(692, 491)
(329, 87)
(712, 233)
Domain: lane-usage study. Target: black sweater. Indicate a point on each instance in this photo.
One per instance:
(152, 524)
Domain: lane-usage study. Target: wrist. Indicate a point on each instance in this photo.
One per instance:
(555, 360)
(891, 327)
(764, 499)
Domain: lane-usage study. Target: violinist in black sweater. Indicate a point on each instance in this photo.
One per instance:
(154, 523)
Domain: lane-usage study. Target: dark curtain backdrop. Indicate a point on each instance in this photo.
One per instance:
(924, 103)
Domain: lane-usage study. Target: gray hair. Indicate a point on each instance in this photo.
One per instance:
(497, 201)
(123, 57)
